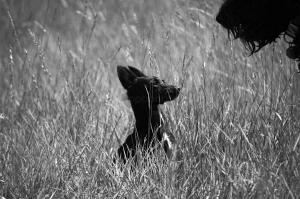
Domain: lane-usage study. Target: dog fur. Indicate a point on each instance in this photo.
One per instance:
(145, 95)
(260, 22)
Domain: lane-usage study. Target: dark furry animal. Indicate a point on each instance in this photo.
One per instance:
(145, 95)
(260, 22)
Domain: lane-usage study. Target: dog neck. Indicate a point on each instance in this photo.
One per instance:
(148, 119)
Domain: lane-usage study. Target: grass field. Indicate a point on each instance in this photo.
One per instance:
(62, 107)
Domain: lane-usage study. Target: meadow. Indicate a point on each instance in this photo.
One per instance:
(63, 112)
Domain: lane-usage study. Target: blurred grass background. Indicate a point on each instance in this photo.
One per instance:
(62, 110)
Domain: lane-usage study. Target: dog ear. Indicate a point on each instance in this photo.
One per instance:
(136, 71)
(126, 77)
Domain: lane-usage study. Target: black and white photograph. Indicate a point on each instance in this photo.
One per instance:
(150, 99)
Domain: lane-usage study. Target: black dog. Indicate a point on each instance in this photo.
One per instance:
(145, 94)
(260, 22)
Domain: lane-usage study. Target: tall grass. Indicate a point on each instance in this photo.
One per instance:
(62, 110)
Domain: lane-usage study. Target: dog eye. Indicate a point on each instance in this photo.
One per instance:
(158, 81)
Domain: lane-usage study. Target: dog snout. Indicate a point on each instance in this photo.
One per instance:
(174, 91)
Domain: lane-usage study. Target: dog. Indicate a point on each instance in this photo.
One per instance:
(145, 95)
(258, 23)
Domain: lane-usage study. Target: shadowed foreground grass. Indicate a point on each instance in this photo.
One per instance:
(62, 113)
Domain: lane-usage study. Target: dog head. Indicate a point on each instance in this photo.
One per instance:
(257, 22)
(143, 89)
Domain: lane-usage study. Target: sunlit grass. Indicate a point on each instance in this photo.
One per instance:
(63, 112)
